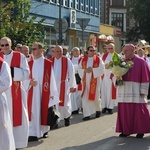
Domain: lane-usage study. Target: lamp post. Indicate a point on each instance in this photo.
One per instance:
(83, 22)
(60, 24)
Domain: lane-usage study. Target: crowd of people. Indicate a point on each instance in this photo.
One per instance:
(40, 89)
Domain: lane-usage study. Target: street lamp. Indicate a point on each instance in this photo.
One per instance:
(83, 22)
(60, 24)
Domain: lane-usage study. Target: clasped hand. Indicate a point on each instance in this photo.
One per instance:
(88, 70)
(33, 83)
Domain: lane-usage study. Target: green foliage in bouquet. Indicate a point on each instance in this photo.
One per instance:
(119, 67)
(118, 61)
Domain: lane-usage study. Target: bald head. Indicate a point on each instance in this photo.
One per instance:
(25, 50)
(58, 51)
(128, 50)
(6, 38)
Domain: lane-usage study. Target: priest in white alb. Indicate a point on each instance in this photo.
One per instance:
(16, 94)
(6, 132)
(42, 93)
(65, 81)
(90, 70)
(108, 90)
(76, 101)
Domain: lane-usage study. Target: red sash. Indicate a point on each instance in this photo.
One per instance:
(1, 62)
(104, 58)
(64, 69)
(80, 85)
(16, 91)
(93, 82)
(31, 57)
(113, 92)
(45, 92)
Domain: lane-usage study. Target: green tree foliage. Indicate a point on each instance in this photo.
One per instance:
(17, 24)
(139, 10)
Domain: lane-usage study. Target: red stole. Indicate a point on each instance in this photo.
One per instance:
(104, 58)
(93, 82)
(16, 91)
(30, 57)
(45, 92)
(1, 62)
(113, 92)
(51, 58)
(79, 88)
(64, 69)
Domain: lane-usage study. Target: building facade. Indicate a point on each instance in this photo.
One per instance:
(80, 20)
(114, 13)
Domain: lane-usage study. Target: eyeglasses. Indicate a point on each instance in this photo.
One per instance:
(92, 50)
(2, 45)
(33, 49)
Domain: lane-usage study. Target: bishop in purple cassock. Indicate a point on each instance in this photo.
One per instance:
(133, 114)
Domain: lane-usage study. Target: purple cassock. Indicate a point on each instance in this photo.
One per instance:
(133, 114)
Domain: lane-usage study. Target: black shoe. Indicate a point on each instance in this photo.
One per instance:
(104, 110)
(123, 135)
(139, 136)
(75, 112)
(45, 135)
(86, 118)
(98, 114)
(55, 126)
(67, 121)
(32, 138)
(110, 111)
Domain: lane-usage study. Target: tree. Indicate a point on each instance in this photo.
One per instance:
(139, 11)
(17, 24)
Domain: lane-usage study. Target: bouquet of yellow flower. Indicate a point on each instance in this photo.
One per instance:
(119, 67)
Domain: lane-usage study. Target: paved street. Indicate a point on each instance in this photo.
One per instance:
(96, 134)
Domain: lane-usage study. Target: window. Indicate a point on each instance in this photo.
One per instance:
(53, 1)
(82, 5)
(66, 3)
(87, 6)
(72, 4)
(92, 7)
(57, 1)
(118, 2)
(97, 7)
(117, 20)
(77, 4)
